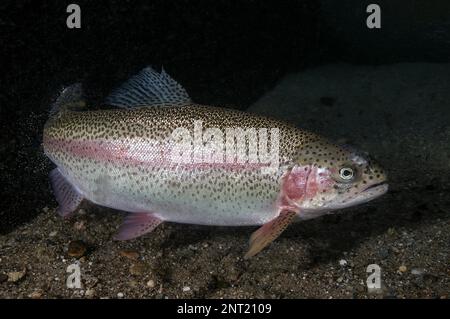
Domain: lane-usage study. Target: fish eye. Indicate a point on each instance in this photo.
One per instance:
(346, 173)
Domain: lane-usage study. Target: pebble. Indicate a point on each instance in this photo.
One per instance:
(36, 294)
(90, 292)
(130, 254)
(15, 276)
(53, 234)
(80, 225)
(120, 295)
(76, 249)
(151, 283)
(343, 262)
(186, 289)
(417, 271)
(402, 268)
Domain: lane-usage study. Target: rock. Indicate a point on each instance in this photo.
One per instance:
(417, 271)
(130, 254)
(151, 283)
(343, 262)
(36, 294)
(120, 295)
(186, 288)
(402, 268)
(53, 233)
(77, 249)
(80, 225)
(15, 276)
(137, 269)
(90, 293)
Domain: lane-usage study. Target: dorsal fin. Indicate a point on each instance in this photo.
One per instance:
(70, 98)
(148, 88)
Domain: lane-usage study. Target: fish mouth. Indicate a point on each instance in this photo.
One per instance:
(371, 192)
(377, 186)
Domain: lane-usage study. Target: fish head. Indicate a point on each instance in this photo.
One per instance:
(328, 176)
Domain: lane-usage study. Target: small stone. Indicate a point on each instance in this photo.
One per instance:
(36, 294)
(340, 279)
(151, 283)
(130, 254)
(90, 293)
(417, 271)
(15, 276)
(53, 234)
(80, 225)
(120, 295)
(45, 209)
(76, 249)
(186, 289)
(137, 269)
(343, 262)
(402, 268)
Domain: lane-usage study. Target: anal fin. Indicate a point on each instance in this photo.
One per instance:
(66, 194)
(137, 224)
(269, 232)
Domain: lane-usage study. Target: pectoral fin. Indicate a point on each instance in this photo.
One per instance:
(269, 232)
(67, 196)
(137, 224)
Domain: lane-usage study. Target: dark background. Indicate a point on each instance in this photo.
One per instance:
(223, 52)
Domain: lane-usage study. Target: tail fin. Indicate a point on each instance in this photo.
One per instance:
(70, 98)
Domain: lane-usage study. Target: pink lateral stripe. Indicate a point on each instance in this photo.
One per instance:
(136, 154)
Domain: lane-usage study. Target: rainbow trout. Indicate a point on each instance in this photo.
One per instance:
(161, 157)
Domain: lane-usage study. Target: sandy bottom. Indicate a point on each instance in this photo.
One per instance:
(400, 114)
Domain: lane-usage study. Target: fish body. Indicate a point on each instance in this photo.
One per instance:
(161, 157)
(121, 159)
